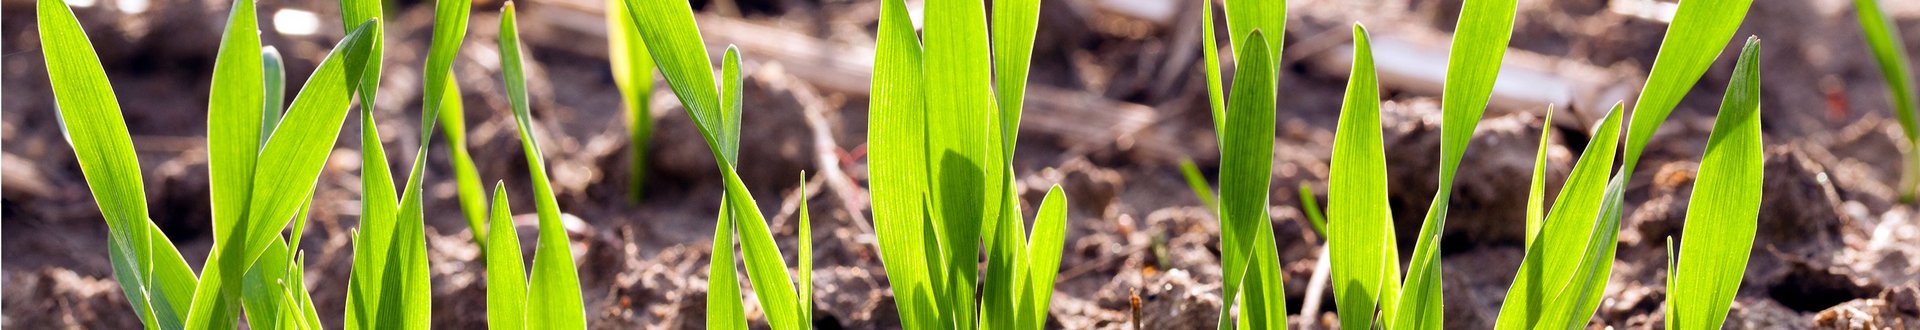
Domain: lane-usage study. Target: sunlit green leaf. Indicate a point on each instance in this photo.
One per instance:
(553, 298)
(1723, 211)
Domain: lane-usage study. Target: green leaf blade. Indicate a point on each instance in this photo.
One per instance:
(506, 276)
(234, 115)
(1043, 258)
(1890, 53)
(966, 174)
(725, 309)
(899, 166)
(1360, 235)
(1246, 162)
(1537, 187)
(554, 293)
(667, 29)
(805, 236)
(633, 76)
(1724, 208)
(1014, 24)
(1473, 64)
(1198, 183)
(1546, 269)
(151, 273)
(1700, 29)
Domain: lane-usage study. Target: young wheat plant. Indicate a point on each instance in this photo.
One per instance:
(1365, 259)
(1570, 256)
(1890, 52)
(262, 172)
(667, 29)
(1244, 126)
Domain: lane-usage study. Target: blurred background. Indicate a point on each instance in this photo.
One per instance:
(1117, 99)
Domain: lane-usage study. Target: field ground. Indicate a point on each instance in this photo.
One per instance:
(1117, 102)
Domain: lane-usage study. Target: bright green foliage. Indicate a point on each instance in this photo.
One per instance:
(725, 310)
(1890, 52)
(506, 276)
(633, 75)
(940, 191)
(1371, 276)
(898, 161)
(1700, 29)
(1722, 214)
(805, 303)
(553, 296)
(1198, 183)
(1246, 160)
(1560, 282)
(155, 279)
(1366, 264)
(1310, 205)
(667, 29)
(250, 211)
(1479, 44)
(442, 99)
(1579, 198)
(1244, 125)
(1537, 187)
(294, 153)
(389, 287)
(466, 177)
(234, 115)
(274, 77)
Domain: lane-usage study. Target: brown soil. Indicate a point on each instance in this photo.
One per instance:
(1835, 249)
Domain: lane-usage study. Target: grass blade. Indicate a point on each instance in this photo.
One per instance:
(766, 267)
(1014, 24)
(1543, 271)
(260, 290)
(1246, 159)
(966, 178)
(1479, 44)
(1724, 208)
(274, 77)
(1700, 29)
(1246, 16)
(287, 170)
(805, 259)
(554, 296)
(1001, 305)
(633, 75)
(506, 276)
(1043, 259)
(1310, 205)
(1366, 262)
(1693, 41)
(1198, 183)
(1890, 52)
(1210, 56)
(161, 301)
(667, 29)
(441, 103)
(466, 177)
(373, 247)
(1673, 269)
(352, 12)
(389, 285)
(725, 309)
(1537, 187)
(899, 166)
(1575, 302)
(152, 275)
(234, 114)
